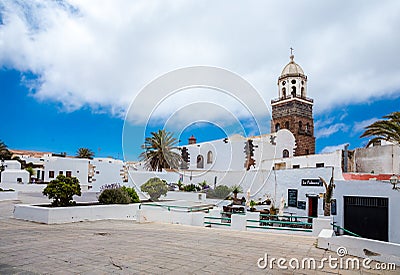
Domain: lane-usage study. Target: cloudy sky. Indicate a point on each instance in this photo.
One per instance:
(71, 69)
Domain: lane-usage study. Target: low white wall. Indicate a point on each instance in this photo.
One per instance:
(188, 196)
(320, 224)
(52, 215)
(174, 217)
(360, 247)
(24, 187)
(8, 195)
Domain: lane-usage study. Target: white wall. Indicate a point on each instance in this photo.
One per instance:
(78, 167)
(106, 171)
(380, 159)
(12, 164)
(333, 159)
(230, 156)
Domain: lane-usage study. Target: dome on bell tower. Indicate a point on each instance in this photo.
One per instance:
(292, 68)
(292, 83)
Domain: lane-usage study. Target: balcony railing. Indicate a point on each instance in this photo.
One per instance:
(275, 100)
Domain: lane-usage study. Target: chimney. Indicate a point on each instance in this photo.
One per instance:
(192, 140)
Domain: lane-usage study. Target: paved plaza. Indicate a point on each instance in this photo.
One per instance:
(125, 247)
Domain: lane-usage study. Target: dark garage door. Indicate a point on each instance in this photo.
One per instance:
(367, 216)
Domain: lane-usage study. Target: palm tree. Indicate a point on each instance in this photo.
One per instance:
(4, 152)
(235, 190)
(388, 130)
(159, 151)
(328, 195)
(84, 153)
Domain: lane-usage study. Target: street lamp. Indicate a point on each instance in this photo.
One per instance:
(2, 167)
(394, 180)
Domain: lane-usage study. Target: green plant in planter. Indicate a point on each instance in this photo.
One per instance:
(114, 196)
(252, 204)
(191, 188)
(155, 187)
(180, 185)
(62, 189)
(272, 210)
(203, 185)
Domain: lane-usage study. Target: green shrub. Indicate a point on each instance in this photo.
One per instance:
(155, 187)
(132, 193)
(191, 188)
(220, 192)
(114, 196)
(62, 189)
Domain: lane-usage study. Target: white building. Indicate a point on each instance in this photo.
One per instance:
(106, 171)
(13, 174)
(228, 154)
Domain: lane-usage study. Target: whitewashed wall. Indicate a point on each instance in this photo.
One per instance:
(333, 159)
(78, 167)
(12, 164)
(230, 156)
(106, 171)
(380, 159)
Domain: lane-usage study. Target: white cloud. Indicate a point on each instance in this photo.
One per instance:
(360, 125)
(332, 129)
(101, 53)
(329, 149)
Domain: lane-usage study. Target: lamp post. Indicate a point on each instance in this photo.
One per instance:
(2, 167)
(394, 180)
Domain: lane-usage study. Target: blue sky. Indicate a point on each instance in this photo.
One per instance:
(69, 71)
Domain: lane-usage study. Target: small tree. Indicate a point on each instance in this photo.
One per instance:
(155, 187)
(220, 192)
(4, 152)
(31, 171)
(328, 195)
(62, 190)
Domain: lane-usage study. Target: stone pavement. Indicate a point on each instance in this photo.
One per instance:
(125, 247)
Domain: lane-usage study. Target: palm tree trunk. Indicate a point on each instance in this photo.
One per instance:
(327, 209)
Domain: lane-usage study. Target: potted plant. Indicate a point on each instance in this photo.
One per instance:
(252, 204)
(268, 200)
(272, 210)
(180, 185)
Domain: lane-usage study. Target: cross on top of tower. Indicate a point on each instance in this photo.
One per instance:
(291, 54)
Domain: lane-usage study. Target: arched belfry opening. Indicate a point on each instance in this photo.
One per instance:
(200, 161)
